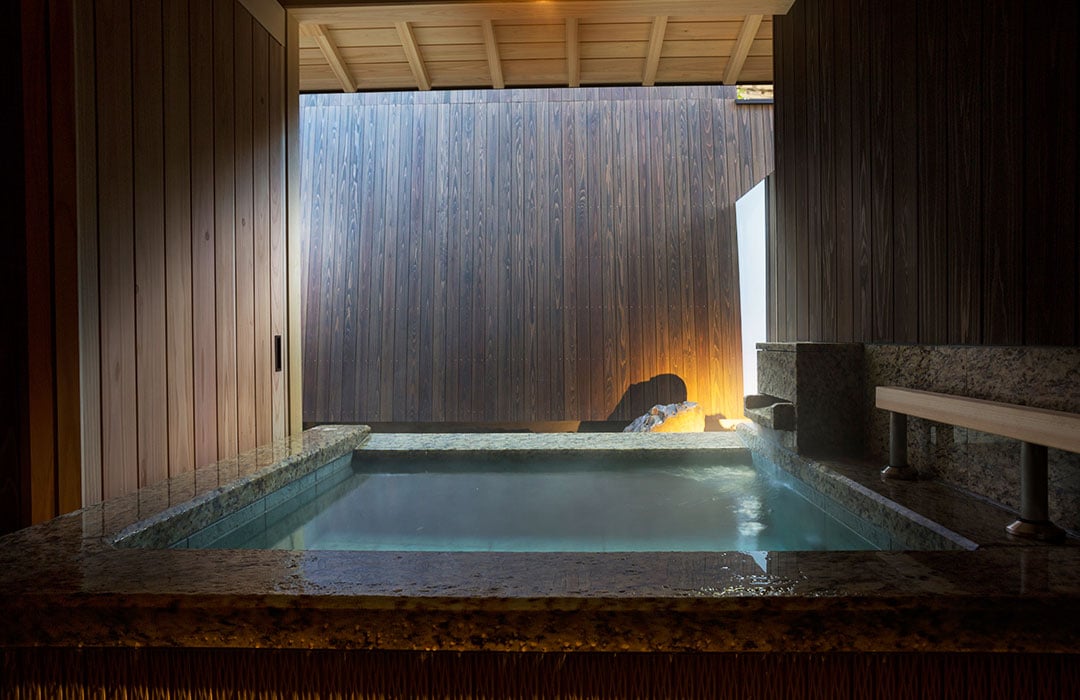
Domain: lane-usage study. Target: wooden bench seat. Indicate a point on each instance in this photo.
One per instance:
(1038, 426)
(1035, 428)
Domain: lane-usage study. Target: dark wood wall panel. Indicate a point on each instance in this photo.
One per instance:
(188, 175)
(927, 173)
(15, 507)
(116, 249)
(179, 355)
(149, 236)
(520, 256)
(1050, 185)
(1002, 195)
(932, 156)
(39, 443)
(131, 174)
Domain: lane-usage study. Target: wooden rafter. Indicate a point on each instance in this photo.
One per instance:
(326, 11)
(412, 53)
(573, 53)
(656, 43)
(492, 48)
(743, 42)
(517, 42)
(332, 55)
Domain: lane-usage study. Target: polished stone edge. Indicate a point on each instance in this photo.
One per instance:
(805, 346)
(54, 591)
(277, 505)
(770, 412)
(893, 624)
(909, 529)
(175, 523)
(544, 442)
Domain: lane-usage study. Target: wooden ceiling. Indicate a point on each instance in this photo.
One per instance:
(520, 43)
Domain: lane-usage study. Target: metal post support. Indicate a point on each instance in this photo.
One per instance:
(898, 467)
(1034, 521)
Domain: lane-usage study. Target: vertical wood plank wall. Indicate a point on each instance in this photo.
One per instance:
(518, 256)
(185, 146)
(14, 452)
(927, 182)
(39, 437)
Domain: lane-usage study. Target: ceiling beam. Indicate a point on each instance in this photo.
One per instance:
(743, 42)
(332, 55)
(270, 15)
(656, 43)
(408, 42)
(573, 53)
(494, 64)
(392, 11)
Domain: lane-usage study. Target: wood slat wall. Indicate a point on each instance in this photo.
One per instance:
(182, 126)
(523, 255)
(39, 438)
(927, 173)
(13, 351)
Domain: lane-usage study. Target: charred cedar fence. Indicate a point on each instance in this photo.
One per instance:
(495, 256)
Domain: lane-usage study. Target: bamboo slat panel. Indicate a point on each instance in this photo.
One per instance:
(524, 255)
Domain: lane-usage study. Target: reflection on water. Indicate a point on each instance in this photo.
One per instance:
(550, 508)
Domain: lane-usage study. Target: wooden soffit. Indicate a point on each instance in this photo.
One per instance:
(531, 43)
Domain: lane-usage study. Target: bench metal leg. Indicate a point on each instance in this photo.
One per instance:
(898, 467)
(1034, 522)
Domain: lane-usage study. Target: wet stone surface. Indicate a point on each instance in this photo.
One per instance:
(65, 583)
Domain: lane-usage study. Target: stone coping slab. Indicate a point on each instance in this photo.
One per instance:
(557, 442)
(64, 583)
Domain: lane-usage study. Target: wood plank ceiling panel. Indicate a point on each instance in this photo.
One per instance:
(402, 46)
(331, 54)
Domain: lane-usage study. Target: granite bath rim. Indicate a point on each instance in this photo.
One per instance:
(62, 584)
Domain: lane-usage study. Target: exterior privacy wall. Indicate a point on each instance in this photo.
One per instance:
(524, 255)
(926, 162)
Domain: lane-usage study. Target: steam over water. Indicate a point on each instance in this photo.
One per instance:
(548, 507)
